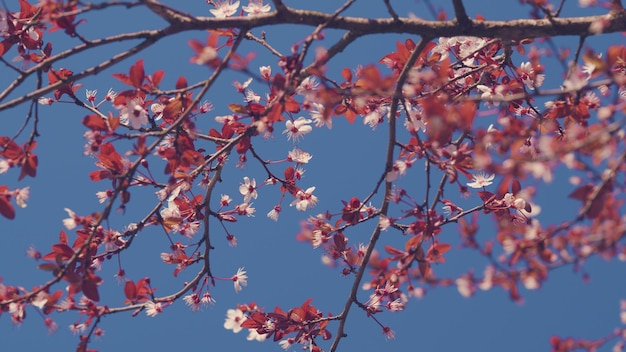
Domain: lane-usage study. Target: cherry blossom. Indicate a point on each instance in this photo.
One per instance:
(305, 200)
(133, 112)
(481, 180)
(299, 156)
(224, 8)
(248, 189)
(234, 318)
(256, 7)
(240, 279)
(153, 309)
(297, 129)
(273, 214)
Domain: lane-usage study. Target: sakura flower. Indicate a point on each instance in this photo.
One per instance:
(70, 223)
(91, 95)
(389, 334)
(481, 180)
(317, 114)
(576, 79)
(207, 299)
(254, 335)
(205, 107)
(45, 101)
(528, 76)
(305, 200)
(110, 96)
(193, 301)
(245, 209)
(307, 85)
(224, 8)
(492, 95)
(287, 343)
(4, 166)
(240, 279)
(133, 112)
(51, 325)
(234, 319)
(152, 309)
(248, 189)
(77, 328)
(256, 7)
(21, 196)
(273, 214)
(399, 168)
(241, 87)
(298, 128)
(225, 200)
(297, 155)
(375, 117)
(266, 71)
(104, 195)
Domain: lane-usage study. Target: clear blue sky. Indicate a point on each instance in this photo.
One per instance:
(346, 161)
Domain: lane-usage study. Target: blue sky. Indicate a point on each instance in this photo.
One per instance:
(346, 162)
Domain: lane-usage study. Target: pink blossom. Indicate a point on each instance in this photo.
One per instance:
(224, 8)
(305, 200)
(273, 214)
(133, 112)
(266, 71)
(234, 318)
(240, 279)
(297, 129)
(299, 156)
(152, 309)
(256, 7)
(248, 189)
(481, 180)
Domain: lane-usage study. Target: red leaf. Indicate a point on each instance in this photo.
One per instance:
(181, 82)
(6, 208)
(130, 290)
(63, 238)
(95, 123)
(137, 74)
(90, 289)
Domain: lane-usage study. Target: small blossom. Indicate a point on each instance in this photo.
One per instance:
(133, 112)
(70, 223)
(207, 299)
(234, 318)
(254, 335)
(248, 189)
(245, 209)
(4, 166)
(110, 96)
(21, 196)
(205, 107)
(33, 253)
(481, 180)
(240, 279)
(45, 101)
(286, 343)
(305, 200)
(152, 309)
(51, 325)
(193, 301)
(308, 84)
(77, 328)
(266, 71)
(299, 156)
(319, 116)
(389, 334)
(232, 240)
(256, 7)
(104, 195)
(224, 8)
(297, 129)
(273, 214)
(91, 95)
(225, 200)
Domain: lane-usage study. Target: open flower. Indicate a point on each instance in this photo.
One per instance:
(234, 318)
(240, 279)
(481, 180)
(256, 7)
(305, 200)
(248, 189)
(298, 128)
(224, 8)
